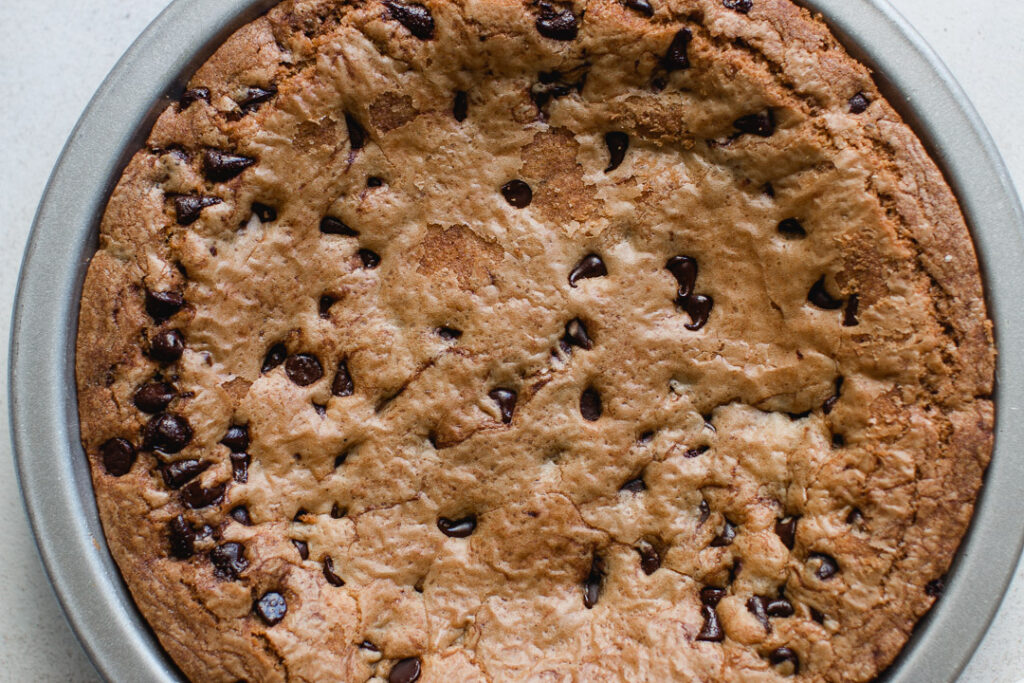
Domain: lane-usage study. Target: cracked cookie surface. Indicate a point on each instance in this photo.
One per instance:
(500, 341)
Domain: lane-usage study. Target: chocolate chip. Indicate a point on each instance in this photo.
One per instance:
(617, 144)
(303, 369)
(271, 608)
(329, 574)
(768, 189)
(741, 6)
(816, 615)
(240, 467)
(240, 514)
(182, 538)
(237, 438)
(820, 297)
(704, 511)
(302, 547)
(684, 269)
(300, 516)
(369, 258)
(831, 401)
(589, 266)
(457, 528)
(859, 103)
(791, 227)
(414, 17)
(785, 656)
(167, 432)
(460, 109)
(506, 400)
(850, 314)
(342, 384)
(711, 631)
(167, 346)
(555, 24)
(374, 181)
(576, 334)
(275, 356)
(641, 6)
(838, 441)
(634, 486)
(339, 460)
(785, 529)
(936, 587)
(367, 645)
(592, 585)
(255, 96)
(676, 56)
(193, 95)
(195, 496)
(590, 404)
(698, 307)
(228, 561)
(265, 213)
(827, 566)
(726, 536)
(761, 125)
(337, 511)
(154, 397)
(449, 333)
(320, 408)
(517, 193)
(356, 133)
(179, 473)
(188, 207)
(650, 560)
(756, 606)
(332, 226)
(118, 456)
(405, 671)
(711, 595)
(220, 166)
(779, 607)
(324, 306)
(695, 452)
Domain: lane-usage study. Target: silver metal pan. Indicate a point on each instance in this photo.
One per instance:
(53, 470)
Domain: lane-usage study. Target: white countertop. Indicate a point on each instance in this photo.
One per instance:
(55, 53)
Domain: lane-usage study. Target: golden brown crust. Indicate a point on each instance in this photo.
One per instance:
(741, 424)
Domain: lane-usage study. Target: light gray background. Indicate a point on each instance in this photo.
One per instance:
(54, 55)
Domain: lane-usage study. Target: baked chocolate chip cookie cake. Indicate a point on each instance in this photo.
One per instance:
(517, 340)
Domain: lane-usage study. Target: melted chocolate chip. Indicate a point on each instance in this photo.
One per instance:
(220, 166)
(592, 585)
(167, 346)
(785, 529)
(695, 452)
(704, 511)
(339, 460)
(405, 671)
(576, 334)
(726, 536)
(303, 369)
(761, 125)
(756, 606)
(711, 595)
(850, 314)
(265, 213)
(677, 57)
(641, 6)
(617, 144)
(414, 17)
(711, 630)
(228, 561)
(589, 266)
(240, 467)
(517, 193)
(698, 307)
(356, 133)
(374, 181)
(195, 496)
(342, 384)
(337, 511)
(506, 400)
(118, 456)
(193, 95)
(816, 615)
(329, 574)
(188, 207)
(182, 538)
(275, 356)
(179, 473)
(332, 226)
(634, 486)
(820, 297)
(684, 269)
(370, 259)
(791, 227)
(154, 397)
(555, 24)
(449, 333)
(827, 566)
(590, 405)
(320, 408)
(859, 103)
(460, 109)
(457, 528)
(271, 608)
(167, 432)
(936, 587)
(302, 548)
(240, 514)
(255, 96)
(650, 560)
(367, 645)
(785, 656)
(237, 438)
(779, 607)
(324, 305)
(741, 6)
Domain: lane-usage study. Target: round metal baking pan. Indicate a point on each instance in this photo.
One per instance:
(53, 469)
